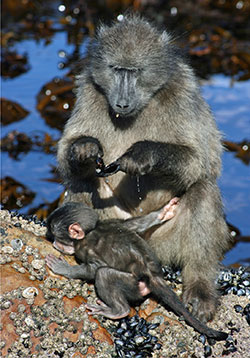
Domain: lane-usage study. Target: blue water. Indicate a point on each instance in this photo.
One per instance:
(231, 107)
(34, 167)
(230, 104)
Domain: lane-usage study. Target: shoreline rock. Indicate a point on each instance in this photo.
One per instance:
(43, 315)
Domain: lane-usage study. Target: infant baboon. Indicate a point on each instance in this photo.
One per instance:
(139, 107)
(120, 262)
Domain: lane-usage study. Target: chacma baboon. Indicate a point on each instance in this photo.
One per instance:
(119, 261)
(139, 106)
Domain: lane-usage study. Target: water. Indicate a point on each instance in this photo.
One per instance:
(230, 104)
(34, 167)
(231, 107)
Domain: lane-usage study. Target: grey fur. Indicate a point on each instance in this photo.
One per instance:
(133, 64)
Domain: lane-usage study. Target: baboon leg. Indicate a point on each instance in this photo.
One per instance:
(203, 248)
(195, 239)
(114, 288)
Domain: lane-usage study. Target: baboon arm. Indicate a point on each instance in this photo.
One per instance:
(62, 267)
(143, 223)
(157, 158)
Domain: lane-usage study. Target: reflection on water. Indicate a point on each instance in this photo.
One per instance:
(230, 105)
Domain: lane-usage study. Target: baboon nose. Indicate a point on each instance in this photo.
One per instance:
(122, 105)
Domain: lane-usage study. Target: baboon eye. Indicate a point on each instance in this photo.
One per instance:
(138, 70)
(118, 68)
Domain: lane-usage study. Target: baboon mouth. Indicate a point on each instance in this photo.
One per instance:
(120, 120)
(122, 115)
(65, 249)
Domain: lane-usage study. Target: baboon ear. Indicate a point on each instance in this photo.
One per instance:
(76, 232)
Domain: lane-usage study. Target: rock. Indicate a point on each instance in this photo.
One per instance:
(44, 314)
(37, 315)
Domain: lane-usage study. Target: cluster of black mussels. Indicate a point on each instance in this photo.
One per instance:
(28, 218)
(133, 339)
(234, 280)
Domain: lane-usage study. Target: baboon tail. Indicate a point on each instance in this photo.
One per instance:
(160, 289)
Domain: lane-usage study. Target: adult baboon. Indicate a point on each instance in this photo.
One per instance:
(139, 105)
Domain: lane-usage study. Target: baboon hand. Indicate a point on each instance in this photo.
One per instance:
(57, 264)
(137, 160)
(85, 149)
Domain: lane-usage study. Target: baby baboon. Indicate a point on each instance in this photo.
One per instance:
(139, 107)
(120, 262)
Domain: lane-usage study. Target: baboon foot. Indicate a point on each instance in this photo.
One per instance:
(202, 300)
(104, 310)
(169, 210)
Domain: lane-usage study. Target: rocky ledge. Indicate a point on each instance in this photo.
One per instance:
(43, 315)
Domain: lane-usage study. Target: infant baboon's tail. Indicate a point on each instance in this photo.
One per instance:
(160, 289)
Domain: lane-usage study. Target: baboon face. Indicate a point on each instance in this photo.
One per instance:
(129, 63)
